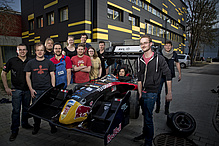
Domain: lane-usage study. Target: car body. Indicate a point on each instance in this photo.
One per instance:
(184, 60)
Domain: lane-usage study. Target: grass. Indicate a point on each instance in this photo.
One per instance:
(8, 80)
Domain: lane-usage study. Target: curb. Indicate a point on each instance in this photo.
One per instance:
(216, 126)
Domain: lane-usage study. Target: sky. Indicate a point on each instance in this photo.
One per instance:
(16, 5)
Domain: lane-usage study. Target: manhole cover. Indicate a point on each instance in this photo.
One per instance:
(171, 140)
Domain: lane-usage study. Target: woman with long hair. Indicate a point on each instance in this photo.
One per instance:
(96, 68)
(70, 49)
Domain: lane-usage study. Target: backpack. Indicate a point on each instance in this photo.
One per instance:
(61, 73)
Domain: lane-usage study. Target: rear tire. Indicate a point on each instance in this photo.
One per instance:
(182, 65)
(134, 105)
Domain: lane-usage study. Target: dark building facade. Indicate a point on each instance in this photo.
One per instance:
(107, 20)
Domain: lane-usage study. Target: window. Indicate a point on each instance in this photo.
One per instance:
(114, 13)
(150, 9)
(149, 29)
(168, 35)
(50, 17)
(145, 6)
(158, 31)
(63, 14)
(154, 31)
(40, 22)
(140, 3)
(134, 1)
(154, 11)
(162, 33)
(31, 24)
(135, 20)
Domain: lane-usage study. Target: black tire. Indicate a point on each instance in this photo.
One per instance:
(183, 123)
(134, 105)
(169, 120)
(182, 65)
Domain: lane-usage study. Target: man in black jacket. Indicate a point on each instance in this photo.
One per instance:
(150, 68)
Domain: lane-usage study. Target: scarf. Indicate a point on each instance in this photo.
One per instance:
(168, 55)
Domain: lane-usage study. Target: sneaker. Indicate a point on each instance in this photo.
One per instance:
(27, 126)
(53, 129)
(35, 130)
(13, 136)
(140, 137)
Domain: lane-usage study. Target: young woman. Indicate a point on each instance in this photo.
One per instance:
(70, 49)
(96, 68)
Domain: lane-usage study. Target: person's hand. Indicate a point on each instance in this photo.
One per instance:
(33, 92)
(169, 97)
(179, 78)
(9, 91)
(140, 94)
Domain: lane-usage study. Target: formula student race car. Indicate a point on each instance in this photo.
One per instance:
(100, 108)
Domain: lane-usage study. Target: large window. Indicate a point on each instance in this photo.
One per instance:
(31, 24)
(50, 17)
(40, 22)
(149, 28)
(135, 20)
(114, 13)
(63, 14)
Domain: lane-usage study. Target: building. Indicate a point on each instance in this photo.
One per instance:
(10, 34)
(107, 20)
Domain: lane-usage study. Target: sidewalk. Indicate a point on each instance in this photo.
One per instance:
(188, 97)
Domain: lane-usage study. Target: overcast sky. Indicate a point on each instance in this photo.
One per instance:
(16, 5)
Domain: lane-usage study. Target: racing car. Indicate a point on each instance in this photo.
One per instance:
(100, 108)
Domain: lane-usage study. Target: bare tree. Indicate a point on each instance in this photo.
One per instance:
(201, 18)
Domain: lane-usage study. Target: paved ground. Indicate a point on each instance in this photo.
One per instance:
(192, 94)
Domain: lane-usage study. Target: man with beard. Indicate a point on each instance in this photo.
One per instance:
(49, 48)
(81, 65)
(150, 68)
(63, 66)
(39, 76)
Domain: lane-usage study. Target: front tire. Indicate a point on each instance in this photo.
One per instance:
(134, 105)
(182, 65)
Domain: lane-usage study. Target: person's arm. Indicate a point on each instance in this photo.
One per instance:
(53, 81)
(75, 68)
(107, 70)
(86, 69)
(32, 91)
(68, 76)
(169, 93)
(63, 53)
(179, 70)
(5, 83)
(140, 89)
(100, 71)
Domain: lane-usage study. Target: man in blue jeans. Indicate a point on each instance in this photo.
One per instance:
(19, 89)
(150, 68)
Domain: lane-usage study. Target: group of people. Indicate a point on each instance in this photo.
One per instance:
(81, 63)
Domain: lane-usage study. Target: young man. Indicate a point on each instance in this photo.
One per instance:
(83, 39)
(40, 76)
(170, 56)
(49, 48)
(150, 68)
(104, 63)
(81, 65)
(19, 89)
(63, 66)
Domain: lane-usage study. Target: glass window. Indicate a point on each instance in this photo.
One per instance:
(140, 3)
(31, 24)
(158, 31)
(168, 35)
(114, 13)
(40, 22)
(145, 6)
(154, 11)
(149, 28)
(135, 20)
(134, 1)
(50, 17)
(63, 14)
(161, 33)
(150, 9)
(154, 30)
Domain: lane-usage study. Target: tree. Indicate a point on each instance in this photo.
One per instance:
(201, 18)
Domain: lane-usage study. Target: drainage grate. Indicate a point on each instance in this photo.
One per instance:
(167, 139)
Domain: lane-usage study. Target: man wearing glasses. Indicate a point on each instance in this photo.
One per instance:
(19, 90)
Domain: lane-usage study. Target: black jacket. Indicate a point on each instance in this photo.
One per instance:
(151, 73)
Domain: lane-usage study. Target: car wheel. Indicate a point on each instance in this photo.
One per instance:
(182, 65)
(134, 105)
(182, 123)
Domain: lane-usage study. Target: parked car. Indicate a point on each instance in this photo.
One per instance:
(184, 60)
(216, 59)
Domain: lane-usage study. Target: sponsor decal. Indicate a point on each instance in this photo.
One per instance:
(91, 103)
(115, 132)
(113, 88)
(89, 89)
(118, 99)
(61, 73)
(76, 96)
(82, 111)
(82, 88)
(104, 87)
(124, 107)
(94, 86)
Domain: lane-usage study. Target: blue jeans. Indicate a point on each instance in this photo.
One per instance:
(19, 97)
(37, 121)
(162, 81)
(148, 101)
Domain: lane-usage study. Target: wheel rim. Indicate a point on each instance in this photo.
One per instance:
(183, 122)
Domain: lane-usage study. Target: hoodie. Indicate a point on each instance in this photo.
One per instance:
(150, 74)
